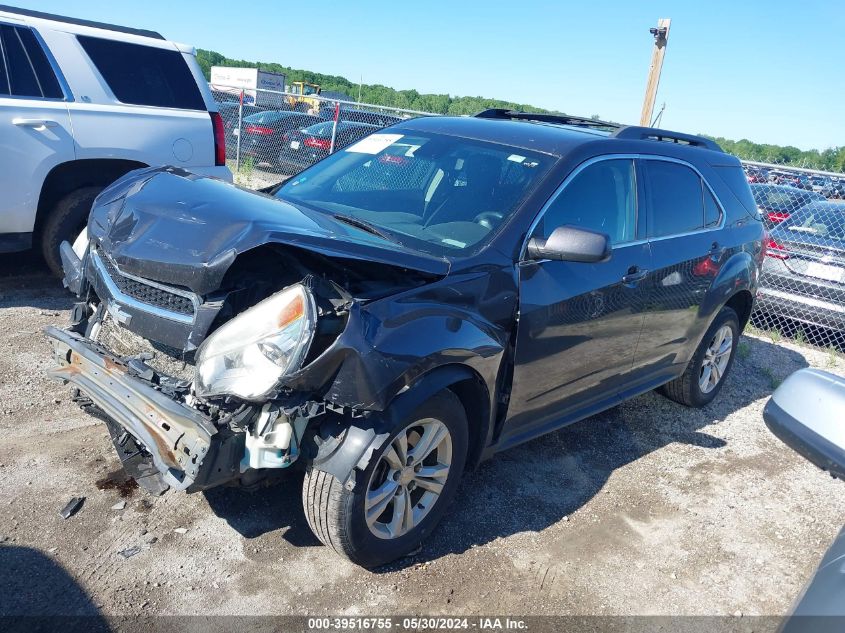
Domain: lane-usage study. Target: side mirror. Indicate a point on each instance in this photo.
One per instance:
(571, 244)
(807, 412)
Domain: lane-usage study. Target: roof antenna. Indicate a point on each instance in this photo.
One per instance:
(659, 116)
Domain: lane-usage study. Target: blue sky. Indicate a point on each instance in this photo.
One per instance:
(767, 71)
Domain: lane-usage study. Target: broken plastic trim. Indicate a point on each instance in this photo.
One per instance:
(176, 436)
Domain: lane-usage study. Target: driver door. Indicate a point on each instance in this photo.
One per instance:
(579, 323)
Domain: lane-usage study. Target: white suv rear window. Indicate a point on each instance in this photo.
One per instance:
(144, 75)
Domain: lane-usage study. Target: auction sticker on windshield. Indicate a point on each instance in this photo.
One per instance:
(374, 143)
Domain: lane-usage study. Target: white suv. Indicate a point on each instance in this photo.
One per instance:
(81, 104)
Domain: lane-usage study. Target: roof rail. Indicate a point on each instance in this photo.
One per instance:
(653, 133)
(78, 22)
(562, 119)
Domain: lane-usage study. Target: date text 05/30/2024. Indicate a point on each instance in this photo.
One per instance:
(416, 623)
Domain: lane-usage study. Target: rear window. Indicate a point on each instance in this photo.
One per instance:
(734, 177)
(269, 116)
(825, 224)
(24, 69)
(325, 129)
(143, 75)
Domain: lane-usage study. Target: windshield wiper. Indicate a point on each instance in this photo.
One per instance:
(363, 225)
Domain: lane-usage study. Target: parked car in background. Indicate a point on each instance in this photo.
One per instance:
(777, 202)
(371, 118)
(780, 177)
(233, 114)
(393, 315)
(302, 148)
(262, 134)
(756, 174)
(82, 104)
(804, 270)
(835, 189)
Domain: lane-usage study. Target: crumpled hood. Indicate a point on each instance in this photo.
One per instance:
(178, 228)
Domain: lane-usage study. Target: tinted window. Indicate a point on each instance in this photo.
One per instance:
(734, 177)
(269, 116)
(143, 75)
(26, 71)
(4, 75)
(676, 199)
(602, 197)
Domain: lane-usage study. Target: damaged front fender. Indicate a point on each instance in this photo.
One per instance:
(345, 447)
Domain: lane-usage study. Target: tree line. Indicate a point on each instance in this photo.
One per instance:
(830, 159)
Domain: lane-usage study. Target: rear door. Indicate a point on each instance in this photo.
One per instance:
(35, 131)
(137, 99)
(579, 323)
(684, 222)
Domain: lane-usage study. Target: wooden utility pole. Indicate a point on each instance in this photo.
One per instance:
(661, 37)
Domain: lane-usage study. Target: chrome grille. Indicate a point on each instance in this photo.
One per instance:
(148, 293)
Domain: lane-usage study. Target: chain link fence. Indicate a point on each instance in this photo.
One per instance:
(271, 136)
(802, 294)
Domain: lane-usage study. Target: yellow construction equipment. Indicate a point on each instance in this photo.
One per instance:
(303, 97)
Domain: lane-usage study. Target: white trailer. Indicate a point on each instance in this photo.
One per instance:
(260, 87)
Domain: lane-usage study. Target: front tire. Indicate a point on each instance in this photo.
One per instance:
(401, 496)
(705, 375)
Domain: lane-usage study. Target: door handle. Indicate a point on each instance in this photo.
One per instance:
(37, 124)
(634, 274)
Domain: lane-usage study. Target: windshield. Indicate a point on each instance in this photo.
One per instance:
(439, 194)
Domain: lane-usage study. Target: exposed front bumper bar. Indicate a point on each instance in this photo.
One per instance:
(177, 437)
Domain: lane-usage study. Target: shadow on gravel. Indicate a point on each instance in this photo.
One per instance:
(536, 485)
(271, 507)
(26, 281)
(39, 595)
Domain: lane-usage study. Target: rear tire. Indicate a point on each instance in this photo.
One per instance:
(66, 220)
(687, 388)
(339, 517)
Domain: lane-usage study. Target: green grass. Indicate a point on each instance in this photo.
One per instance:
(775, 335)
(743, 350)
(774, 381)
(243, 176)
(832, 356)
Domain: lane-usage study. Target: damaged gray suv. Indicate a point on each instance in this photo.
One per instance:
(435, 293)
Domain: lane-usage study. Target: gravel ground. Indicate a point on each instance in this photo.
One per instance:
(649, 508)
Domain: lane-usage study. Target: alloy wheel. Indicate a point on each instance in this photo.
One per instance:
(408, 478)
(716, 359)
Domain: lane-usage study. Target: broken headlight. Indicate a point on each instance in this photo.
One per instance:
(247, 356)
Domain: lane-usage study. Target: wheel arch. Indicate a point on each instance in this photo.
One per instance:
(742, 303)
(72, 175)
(349, 451)
(470, 388)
